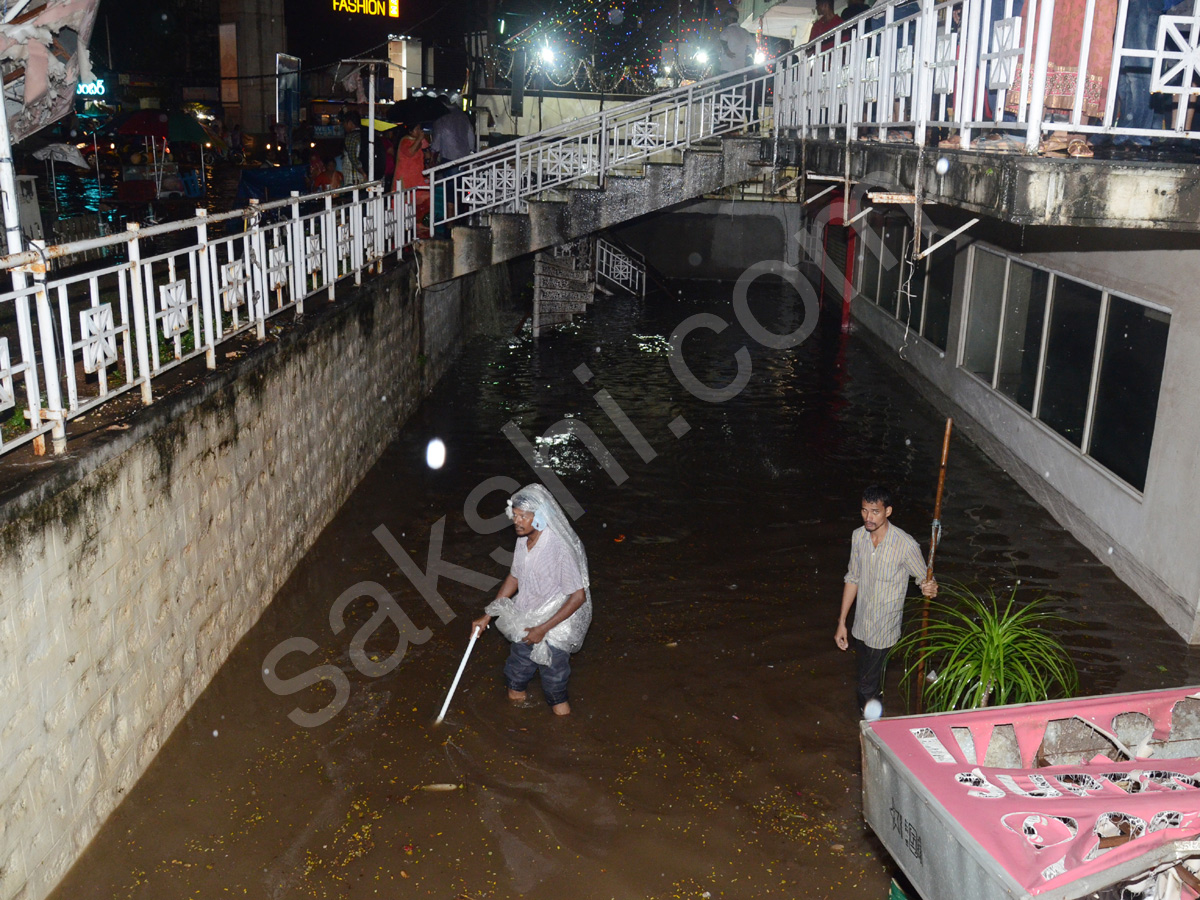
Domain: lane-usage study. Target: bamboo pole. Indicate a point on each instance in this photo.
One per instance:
(935, 536)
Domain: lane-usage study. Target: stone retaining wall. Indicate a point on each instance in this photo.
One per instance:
(128, 574)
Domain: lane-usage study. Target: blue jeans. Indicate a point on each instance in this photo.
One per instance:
(1133, 82)
(520, 669)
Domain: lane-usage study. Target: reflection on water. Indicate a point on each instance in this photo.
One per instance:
(72, 192)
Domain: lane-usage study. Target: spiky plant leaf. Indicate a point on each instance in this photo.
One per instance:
(987, 651)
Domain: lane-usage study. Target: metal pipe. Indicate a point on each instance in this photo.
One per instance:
(1081, 73)
(1037, 102)
(951, 236)
(371, 125)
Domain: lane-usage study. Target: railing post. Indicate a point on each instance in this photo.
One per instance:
(138, 298)
(398, 214)
(356, 236)
(603, 148)
(964, 105)
(924, 59)
(33, 390)
(517, 173)
(54, 405)
(691, 99)
(330, 232)
(379, 215)
(295, 234)
(208, 309)
(1037, 101)
(257, 273)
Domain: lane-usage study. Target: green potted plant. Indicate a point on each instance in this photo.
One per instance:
(984, 650)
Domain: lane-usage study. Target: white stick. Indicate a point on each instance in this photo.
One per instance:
(457, 675)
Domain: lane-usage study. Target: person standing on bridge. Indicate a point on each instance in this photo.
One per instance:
(352, 169)
(737, 46)
(544, 606)
(882, 557)
(409, 173)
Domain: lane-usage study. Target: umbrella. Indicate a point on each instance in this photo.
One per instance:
(146, 122)
(173, 125)
(417, 109)
(184, 128)
(67, 153)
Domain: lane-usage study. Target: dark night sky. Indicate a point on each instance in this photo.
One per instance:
(173, 35)
(319, 35)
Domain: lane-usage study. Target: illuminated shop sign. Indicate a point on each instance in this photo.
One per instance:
(91, 88)
(389, 8)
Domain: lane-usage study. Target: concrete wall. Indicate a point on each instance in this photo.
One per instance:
(129, 573)
(715, 239)
(1137, 534)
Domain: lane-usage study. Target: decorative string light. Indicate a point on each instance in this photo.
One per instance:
(603, 46)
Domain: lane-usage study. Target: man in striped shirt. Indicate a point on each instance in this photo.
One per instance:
(882, 558)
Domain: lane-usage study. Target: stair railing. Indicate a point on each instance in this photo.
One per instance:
(606, 143)
(621, 269)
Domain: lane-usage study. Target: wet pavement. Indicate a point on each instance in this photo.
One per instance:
(713, 749)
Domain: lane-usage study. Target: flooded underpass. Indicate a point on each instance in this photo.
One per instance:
(713, 746)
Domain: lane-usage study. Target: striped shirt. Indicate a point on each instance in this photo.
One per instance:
(881, 574)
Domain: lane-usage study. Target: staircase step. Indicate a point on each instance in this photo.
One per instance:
(561, 306)
(549, 282)
(584, 297)
(562, 267)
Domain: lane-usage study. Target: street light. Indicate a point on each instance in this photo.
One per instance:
(759, 57)
(547, 55)
(701, 56)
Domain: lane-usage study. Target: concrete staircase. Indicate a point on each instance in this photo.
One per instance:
(562, 285)
(567, 214)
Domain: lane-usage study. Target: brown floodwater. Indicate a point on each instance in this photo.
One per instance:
(713, 748)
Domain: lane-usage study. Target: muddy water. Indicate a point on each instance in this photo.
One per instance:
(713, 748)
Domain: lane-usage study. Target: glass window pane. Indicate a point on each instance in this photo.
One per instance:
(1021, 338)
(937, 298)
(869, 283)
(1131, 365)
(983, 314)
(1070, 347)
(890, 264)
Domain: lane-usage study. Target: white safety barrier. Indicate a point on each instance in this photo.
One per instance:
(986, 67)
(71, 343)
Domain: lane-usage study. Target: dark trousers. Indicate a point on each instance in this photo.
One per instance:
(870, 665)
(520, 669)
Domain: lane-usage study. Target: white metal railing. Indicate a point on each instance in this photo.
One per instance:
(626, 270)
(593, 147)
(71, 343)
(986, 66)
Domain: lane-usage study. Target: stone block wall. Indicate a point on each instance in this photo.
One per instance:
(128, 574)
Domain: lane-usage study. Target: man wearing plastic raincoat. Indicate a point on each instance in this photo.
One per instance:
(544, 606)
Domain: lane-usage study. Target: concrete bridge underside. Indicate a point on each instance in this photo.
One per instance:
(575, 212)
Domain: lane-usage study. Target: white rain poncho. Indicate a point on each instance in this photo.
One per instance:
(512, 621)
